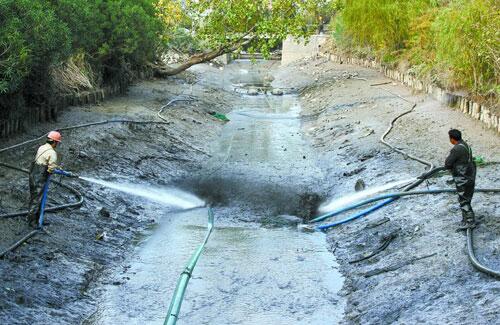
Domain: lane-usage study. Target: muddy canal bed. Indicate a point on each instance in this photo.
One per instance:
(267, 169)
(424, 274)
(123, 255)
(247, 275)
(257, 267)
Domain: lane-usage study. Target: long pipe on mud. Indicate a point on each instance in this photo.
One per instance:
(385, 197)
(18, 242)
(473, 259)
(178, 296)
(470, 241)
(79, 196)
(383, 140)
(431, 170)
(75, 192)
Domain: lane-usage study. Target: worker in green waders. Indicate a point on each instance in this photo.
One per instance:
(463, 169)
(45, 162)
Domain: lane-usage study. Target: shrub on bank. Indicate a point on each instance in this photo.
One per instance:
(454, 42)
(467, 40)
(107, 40)
(32, 39)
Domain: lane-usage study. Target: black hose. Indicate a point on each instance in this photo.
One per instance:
(78, 126)
(473, 259)
(70, 188)
(78, 195)
(470, 242)
(18, 243)
(50, 209)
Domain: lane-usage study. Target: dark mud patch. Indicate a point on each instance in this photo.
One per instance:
(56, 277)
(256, 194)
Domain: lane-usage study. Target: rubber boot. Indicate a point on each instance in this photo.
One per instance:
(471, 220)
(33, 224)
(468, 221)
(30, 221)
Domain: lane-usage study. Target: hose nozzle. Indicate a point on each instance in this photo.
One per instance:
(65, 173)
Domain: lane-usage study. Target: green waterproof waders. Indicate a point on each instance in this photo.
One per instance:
(38, 176)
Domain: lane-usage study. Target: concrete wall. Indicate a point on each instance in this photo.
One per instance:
(296, 50)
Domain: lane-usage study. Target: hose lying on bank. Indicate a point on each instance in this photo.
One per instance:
(18, 242)
(176, 99)
(473, 259)
(178, 296)
(68, 187)
(388, 198)
(411, 186)
(79, 126)
(75, 192)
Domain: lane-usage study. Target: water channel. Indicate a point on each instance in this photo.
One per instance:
(249, 273)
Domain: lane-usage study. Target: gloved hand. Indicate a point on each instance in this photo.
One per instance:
(431, 172)
(64, 173)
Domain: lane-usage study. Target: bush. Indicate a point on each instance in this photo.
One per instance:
(37, 37)
(32, 40)
(131, 32)
(454, 42)
(83, 18)
(381, 24)
(467, 43)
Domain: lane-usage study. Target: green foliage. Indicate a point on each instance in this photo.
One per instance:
(32, 39)
(468, 43)
(116, 37)
(83, 18)
(259, 24)
(381, 24)
(181, 40)
(439, 38)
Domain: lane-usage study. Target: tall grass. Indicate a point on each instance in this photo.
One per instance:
(455, 42)
(467, 42)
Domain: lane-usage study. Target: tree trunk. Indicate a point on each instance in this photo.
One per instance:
(195, 59)
(204, 57)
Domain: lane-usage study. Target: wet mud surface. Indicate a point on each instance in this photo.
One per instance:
(424, 275)
(277, 159)
(256, 171)
(48, 280)
(257, 268)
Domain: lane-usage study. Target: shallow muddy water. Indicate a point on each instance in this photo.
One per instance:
(248, 274)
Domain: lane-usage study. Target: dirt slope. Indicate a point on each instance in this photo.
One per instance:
(344, 118)
(47, 281)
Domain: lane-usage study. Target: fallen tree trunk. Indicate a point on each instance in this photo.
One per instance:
(205, 57)
(193, 60)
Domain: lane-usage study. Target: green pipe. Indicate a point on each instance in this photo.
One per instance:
(175, 304)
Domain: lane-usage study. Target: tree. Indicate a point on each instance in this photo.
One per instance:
(224, 26)
(32, 39)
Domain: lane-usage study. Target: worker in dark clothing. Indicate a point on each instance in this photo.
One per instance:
(463, 169)
(45, 162)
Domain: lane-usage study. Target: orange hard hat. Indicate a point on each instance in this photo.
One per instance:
(54, 135)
